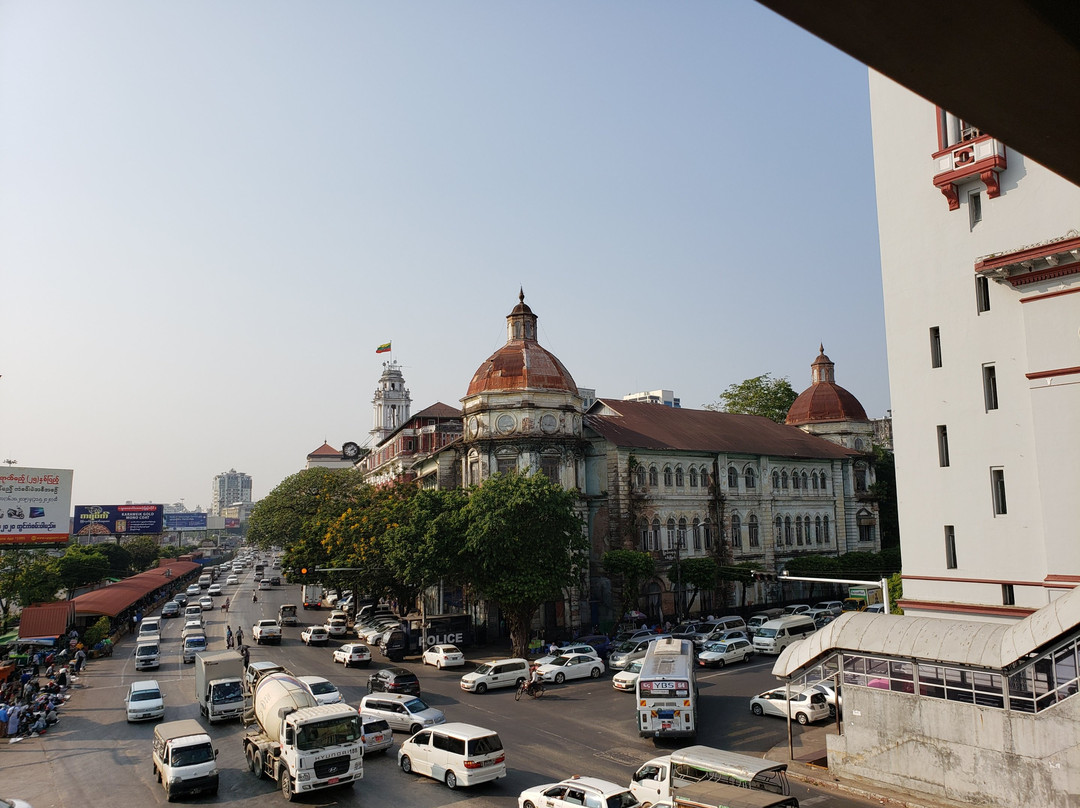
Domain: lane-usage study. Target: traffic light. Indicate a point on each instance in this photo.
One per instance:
(764, 576)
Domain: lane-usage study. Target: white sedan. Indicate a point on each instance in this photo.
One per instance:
(232, 580)
(354, 653)
(322, 689)
(206, 603)
(314, 635)
(565, 650)
(806, 707)
(627, 679)
(444, 656)
(571, 666)
(719, 654)
(215, 589)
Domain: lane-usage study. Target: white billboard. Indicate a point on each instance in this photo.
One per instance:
(35, 506)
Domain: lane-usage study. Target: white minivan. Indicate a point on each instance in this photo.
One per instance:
(456, 754)
(776, 635)
(497, 673)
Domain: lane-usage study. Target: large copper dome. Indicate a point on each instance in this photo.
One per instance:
(521, 364)
(824, 400)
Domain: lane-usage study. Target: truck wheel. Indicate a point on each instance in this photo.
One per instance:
(406, 764)
(285, 785)
(168, 794)
(260, 770)
(451, 780)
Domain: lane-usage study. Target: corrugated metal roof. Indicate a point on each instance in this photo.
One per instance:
(994, 646)
(46, 619)
(637, 425)
(115, 598)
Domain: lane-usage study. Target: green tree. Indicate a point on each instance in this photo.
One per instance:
(144, 552)
(896, 592)
(741, 573)
(884, 488)
(761, 395)
(119, 559)
(80, 565)
(524, 543)
(26, 577)
(697, 573)
(425, 545)
(630, 568)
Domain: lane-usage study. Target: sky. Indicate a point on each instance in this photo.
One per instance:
(211, 214)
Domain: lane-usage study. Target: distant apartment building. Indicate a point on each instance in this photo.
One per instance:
(230, 488)
(665, 397)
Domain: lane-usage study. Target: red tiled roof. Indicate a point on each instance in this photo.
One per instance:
(324, 450)
(825, 401)
(46, 619)
(438, 410)
(113, 599)
(654, 426)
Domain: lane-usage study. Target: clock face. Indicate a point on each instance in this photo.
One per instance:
(549, 423)
(505, 424)
(350, 450)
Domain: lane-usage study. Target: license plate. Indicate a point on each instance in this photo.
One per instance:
(665, 725)
(378, 738)
(332, 780)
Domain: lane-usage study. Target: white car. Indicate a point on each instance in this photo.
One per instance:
(215, 589)
(627, 679)
(719, 654)
(578, 791)
(444, 656)
(832, 694)
(322, 689)
(337, 627)
(564, 650)
(806, 707)
(571, 666)
(354, 653)
(314, 635)
(232, 580)
(206, 603)
(193, 591)
(144, 701)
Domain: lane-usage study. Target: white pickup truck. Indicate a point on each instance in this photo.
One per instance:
(266, 631)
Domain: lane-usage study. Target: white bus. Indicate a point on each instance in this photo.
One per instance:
(667, 690)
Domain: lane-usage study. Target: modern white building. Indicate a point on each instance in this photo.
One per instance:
(665, 397)
(229, 488)
(979, 255)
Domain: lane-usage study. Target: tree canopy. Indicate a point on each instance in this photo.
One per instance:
(631, 568)
(761, 395)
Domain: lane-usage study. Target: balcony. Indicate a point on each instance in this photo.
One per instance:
(975, 157)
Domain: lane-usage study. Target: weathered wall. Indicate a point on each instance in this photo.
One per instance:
(962, 753)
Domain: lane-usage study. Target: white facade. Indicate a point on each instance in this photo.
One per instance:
(231, 487)
(391, 404)
(665, 397)
(984, 361)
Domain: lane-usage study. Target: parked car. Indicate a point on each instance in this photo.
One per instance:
(834, 606)
(496, 673)
(144, 701)
(719, 654)
(797, 608)
(600, 642)
(832, 695)
(876, 608)
(353, 654)
(170, 609)
(572, 666)
(567, 648)
(458, 754)
(627, 680)
(444, 656)
(322, 689)
(315, 635)
(628, 651)
(725, 636)
(401, 711)
(375, 734)
(577, 791)
(393, 680)
(805, 707)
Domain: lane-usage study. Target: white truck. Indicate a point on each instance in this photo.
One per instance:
(663, 778)
(299, 744)
(219, 684)
(286, 614)
(266, 631)
(185, 760)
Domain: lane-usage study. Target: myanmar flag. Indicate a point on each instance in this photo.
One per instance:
(383, 348)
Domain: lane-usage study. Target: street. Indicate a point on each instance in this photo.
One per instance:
(582, 727)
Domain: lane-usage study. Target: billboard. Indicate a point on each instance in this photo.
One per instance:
(118, 520)
(231, 522)
(34, 506)
(185, 521)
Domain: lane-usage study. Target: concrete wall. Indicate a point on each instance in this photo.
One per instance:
(960, 753)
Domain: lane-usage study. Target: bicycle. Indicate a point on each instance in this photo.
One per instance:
(534, 692)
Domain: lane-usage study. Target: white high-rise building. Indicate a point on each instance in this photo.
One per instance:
(980, 269)
(231, 487)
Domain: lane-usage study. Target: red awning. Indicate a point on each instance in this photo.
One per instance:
(46, 619)
(112, 599)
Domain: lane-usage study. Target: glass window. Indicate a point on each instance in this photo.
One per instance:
(732, 477)
(549, 467)
(681, 536)
(779, 530)
(950, 547)
(943, 445)
(776, 479)
(697, 533)
(990, 392)
(643, 528)
(693, 477)
(997, 481)
(736, 530)
(817, 529)
(656, 534)
(750, 478)
(641, 478)
(505, 465)
(806, 527)
(671, 533)
(654, 477)
(787, 530)
(798, 531)
(982, 293)
(795, 481)
(679, 477)
(752, 531)
(706, 532)
(813, 481)
(804, 480)
(668, 480)
(935, 347)
(783, 479)
(825, 528)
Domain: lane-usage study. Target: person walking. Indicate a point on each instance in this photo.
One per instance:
(239, 636)
(247, 656)
(80, 660)
(228, 636)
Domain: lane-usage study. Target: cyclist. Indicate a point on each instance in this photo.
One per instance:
(534, 680)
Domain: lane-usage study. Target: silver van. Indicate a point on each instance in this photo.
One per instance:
(778, 634)
(724, 625)
(620, 658)
(497, 673)
(401, 711)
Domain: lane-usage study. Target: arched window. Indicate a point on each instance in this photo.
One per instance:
(696, 527)
(667, 476)
(806, 525)
(655, 543)
(804, 479)
(732, 477)
(679, 477)
(671, 533)
(813, 480)
(681, 536)
(693, 477)
(824, 487)
(858, 444)
(704, 477)
(750, 478)
(779, 530)
(817, 528)
(798, 529)
(654, 477)
(706, 532)
(736, 531)
(783, 479)
(787, 530)
(752, 531)
(795, 480)
(860, 476)
(825, 528)
(641, 475)
(643, 529)
(776, 479)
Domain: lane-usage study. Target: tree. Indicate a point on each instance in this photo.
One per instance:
(631, 568)
(119, 559)
(523, 544)
(761, 395)
(26, 577)
(699, 573)
(884, 488)
(741, 573)
(144, 552)
(896, 592)
(80, 565)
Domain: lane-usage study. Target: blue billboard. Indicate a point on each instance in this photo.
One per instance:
(185, 521)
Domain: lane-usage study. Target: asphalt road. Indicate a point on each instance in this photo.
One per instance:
(582, 727)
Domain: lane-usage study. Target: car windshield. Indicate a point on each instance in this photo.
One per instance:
(449, 649)
(416, 705)
(561, 661)
(485, 745)
(331, 732)
(635, 667)
(192, 755)
(766, 632)
(318, 688)
(484, 669)
(227, 692)
(717, 647)
(145, 695)
(626, 647)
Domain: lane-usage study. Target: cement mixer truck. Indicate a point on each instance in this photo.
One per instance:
(300, 745)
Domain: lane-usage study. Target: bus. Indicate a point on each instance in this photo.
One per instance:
(667, 690)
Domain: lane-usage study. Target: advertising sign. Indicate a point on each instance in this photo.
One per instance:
(185, 521)
(34, 506)
(118, 520)
(231, 522)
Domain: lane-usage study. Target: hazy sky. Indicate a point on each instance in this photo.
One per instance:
(211, 213)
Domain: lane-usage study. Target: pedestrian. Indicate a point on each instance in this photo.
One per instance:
(247, 656)
(228, 636)
(13, 720)
(3, 719)
(553, 649)
(80, 660)
(239, 636)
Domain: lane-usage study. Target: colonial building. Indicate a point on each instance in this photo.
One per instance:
(405, 449)
(327, 457)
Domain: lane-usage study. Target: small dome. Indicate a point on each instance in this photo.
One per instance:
(824, 400)
(521, 364)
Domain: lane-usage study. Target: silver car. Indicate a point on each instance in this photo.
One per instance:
(375, 734)
(631, 650)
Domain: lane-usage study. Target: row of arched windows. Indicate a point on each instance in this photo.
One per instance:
(800, 531)
(813, 481)
(697, 534)
(674, 477)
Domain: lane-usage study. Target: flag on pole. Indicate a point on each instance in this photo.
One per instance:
(383, 348)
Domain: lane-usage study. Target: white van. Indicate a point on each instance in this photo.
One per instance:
(149, 630)
(147, 655)
(193, 613)
(497, 673)
(778, 634)
(185, 760)
(457, 754)
(205, 580)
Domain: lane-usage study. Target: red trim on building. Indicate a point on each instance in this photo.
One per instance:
(1028, 254)
(1058, 293)
(1044, 274)
(986, 169)
(995, 581)
(964, 608)
(1047, 374)
(1063, 579)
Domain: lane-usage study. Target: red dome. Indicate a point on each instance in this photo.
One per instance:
(824, 400)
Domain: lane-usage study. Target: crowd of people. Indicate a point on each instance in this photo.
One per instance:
(30, 701)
